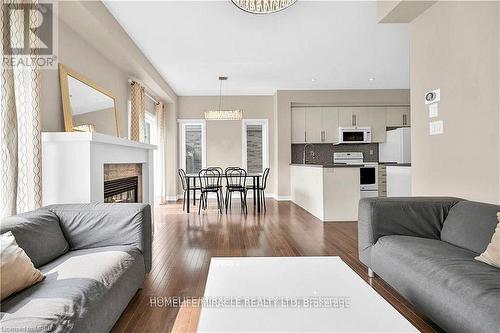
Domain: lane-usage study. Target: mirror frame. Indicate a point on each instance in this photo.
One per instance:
(64, 71)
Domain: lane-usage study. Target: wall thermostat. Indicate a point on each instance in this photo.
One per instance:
(433, 96)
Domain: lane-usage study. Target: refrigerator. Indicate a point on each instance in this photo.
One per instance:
(397, 146)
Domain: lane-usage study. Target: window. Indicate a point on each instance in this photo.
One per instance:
(192, 146)
(255, 145)
(150, 129)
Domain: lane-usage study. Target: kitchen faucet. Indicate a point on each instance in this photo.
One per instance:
(304, 153)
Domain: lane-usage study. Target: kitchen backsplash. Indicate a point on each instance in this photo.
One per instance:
(324, 152)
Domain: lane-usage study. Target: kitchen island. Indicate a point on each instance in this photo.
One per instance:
(329, 192)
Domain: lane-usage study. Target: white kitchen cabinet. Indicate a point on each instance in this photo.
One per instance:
(313, 125)
(346, 117)
(330, 125)
(373, 117)
(298, 125)
(397, 116)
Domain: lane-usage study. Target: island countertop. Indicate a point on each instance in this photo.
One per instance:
(327, 165)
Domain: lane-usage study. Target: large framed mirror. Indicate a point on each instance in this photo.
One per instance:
(87, 107)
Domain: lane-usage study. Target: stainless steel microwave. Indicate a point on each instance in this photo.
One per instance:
(355, 134)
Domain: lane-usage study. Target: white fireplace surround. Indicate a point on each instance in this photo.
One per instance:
(73, 165)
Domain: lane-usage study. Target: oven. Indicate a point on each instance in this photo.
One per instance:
(369, 180)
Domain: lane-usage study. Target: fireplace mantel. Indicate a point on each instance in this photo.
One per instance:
(73, 165)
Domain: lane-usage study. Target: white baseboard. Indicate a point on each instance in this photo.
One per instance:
(282, 198)
(235, 195)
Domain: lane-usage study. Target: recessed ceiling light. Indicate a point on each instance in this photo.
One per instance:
(313, 80)
(371, 79)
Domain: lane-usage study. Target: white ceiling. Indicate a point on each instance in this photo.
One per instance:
(311, 45)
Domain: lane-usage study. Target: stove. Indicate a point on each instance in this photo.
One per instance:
(368, 172)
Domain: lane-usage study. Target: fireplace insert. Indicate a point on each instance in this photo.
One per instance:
(121, 190)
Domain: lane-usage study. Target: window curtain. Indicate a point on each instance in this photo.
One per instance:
(20, 129)
(137, 112)
(160, 123)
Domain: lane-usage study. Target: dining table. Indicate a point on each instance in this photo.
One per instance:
(191, 184)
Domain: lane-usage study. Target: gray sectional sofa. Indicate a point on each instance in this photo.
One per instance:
(425, 248)
(94, 257)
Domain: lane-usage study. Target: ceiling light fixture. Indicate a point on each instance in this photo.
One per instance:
(263, 6)
(371, 79)
(223, 114)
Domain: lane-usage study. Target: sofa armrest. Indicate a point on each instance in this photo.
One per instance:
(412, 216)
(106, 224)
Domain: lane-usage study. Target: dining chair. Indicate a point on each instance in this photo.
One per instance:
(221, 173)
(184, 180)
(235, 182)
(262, 188)
(210, 182)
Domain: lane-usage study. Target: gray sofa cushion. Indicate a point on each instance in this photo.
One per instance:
(84, 291)
(459, 293)
(470, 225)
(38, 233)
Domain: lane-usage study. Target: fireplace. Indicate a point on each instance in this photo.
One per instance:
(121, 190)
(123, 183)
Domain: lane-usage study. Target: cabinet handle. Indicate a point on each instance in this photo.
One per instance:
(404, 123)
(322, 136)
(353, 122)
(305, 136)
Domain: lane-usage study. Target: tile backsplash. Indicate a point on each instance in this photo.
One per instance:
(324, 152)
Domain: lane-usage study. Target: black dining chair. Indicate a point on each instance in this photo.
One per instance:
(184, 180)
(235, 182)
(221, 192)
(210, 182)
(262, 188)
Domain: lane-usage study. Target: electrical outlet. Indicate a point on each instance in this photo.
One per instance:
(371, 151)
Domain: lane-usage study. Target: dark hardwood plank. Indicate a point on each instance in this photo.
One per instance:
(184, 243)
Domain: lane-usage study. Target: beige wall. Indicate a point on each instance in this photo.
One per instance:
(93, 43)
(224, 138)
(76, 53)
(455, 47)
(283, 100)
(104, 121)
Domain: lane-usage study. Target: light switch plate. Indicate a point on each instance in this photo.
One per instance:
(433, 110)
(436, 127)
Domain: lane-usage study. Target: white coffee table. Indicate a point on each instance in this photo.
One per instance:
(242, 285)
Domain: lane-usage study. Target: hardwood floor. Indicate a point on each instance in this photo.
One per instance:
(184, 243)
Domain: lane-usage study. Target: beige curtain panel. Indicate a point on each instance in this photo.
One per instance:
(137, 111)
(160, 121)
(20, 130)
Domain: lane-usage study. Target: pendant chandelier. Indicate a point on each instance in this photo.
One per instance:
(263, 6)
(223, 114)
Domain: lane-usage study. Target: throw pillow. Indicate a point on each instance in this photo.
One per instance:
(16, 269)
(491, 255)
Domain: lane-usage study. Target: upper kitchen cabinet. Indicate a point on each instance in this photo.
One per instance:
(298, 125)
(315, 125)
(314, 133)
(346, 116)
(330, 124)
(398, 116)
(373, 117)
